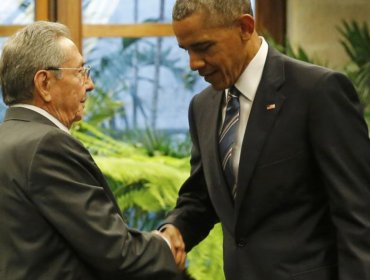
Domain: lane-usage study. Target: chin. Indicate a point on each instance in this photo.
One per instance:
(78, 117)
(219, 86)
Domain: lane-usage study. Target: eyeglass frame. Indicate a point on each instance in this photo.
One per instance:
(86, 69)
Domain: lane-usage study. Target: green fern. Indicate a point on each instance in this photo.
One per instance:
(100, 144)
(156, 183)
(206, 259)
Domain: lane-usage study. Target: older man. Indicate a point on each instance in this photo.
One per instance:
(59, 220)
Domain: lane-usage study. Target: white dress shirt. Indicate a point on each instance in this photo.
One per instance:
(45, 114)
(247, 84)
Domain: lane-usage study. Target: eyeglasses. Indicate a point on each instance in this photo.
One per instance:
(84, 70)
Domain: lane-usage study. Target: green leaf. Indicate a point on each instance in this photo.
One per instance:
(355, 40)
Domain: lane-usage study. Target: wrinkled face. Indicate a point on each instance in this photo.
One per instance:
(217, 53)
(69, 91)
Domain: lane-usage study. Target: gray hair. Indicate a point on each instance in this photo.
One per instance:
(222, 11)
(31, 49)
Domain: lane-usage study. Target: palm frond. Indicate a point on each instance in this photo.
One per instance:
(355, 39)
(100, 144)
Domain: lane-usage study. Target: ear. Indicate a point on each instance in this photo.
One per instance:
(246, 24)
(42, 85)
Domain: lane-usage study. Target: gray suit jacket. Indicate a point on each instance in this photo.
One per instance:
(302, 208)
(59, 219)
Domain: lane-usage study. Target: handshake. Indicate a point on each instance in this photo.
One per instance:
(173, 237)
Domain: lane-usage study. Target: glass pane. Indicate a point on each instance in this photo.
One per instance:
(126, 11)
(155, 89)
(17, 12)
(2, 109)
(2, 42)
(2, 105)
(14, 12)
(253, 2)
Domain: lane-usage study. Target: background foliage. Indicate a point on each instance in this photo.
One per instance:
(355, 39)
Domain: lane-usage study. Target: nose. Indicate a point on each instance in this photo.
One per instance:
(196, 61)
(89, 84)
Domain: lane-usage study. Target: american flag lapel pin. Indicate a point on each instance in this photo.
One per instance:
(270, 106)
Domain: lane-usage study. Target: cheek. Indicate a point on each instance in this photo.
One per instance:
(233, 68)
(229, 72)
(76, 106)
(78, 94)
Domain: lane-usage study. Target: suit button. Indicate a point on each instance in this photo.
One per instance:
(241, 243)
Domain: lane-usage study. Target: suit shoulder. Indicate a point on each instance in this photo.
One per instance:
(62, 141)
(50, 135)
(300, 67)
(300, 74)
(204, 95)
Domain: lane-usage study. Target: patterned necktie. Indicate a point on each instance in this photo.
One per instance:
(228, 135)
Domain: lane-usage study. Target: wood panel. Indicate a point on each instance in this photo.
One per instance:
(8, 30)
(128, 30)
(42, 9)
(69, 12)
(271, 19)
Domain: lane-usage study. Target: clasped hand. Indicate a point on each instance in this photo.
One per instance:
(173, 235)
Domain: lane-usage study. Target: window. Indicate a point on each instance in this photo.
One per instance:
(135, 57)
(150, 75)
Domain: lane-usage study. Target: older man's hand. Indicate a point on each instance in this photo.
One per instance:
(173, 235)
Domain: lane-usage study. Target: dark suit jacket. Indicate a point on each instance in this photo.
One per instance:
(302, 209)
(59, 219)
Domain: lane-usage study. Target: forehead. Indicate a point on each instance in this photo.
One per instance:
(71, 51)
(193, 29)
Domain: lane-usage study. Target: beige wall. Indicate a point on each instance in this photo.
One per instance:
(312, 24)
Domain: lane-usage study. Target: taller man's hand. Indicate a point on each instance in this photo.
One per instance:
(177, 244)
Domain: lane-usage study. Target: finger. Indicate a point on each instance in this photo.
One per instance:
(174, 252)
(180, 256)
(178, 242)
(181, 265)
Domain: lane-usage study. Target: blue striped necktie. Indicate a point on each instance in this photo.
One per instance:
(227, 137)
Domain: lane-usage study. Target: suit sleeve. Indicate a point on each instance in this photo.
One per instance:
(341, 145)
(194, 214)
(71, 193)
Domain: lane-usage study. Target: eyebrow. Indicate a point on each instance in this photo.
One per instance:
(82, 61)
(80, 64)
(195, 45)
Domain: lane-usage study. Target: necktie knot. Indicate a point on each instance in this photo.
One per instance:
(233, 93)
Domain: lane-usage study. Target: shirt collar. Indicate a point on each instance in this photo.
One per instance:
(249, 80)
(45, 114)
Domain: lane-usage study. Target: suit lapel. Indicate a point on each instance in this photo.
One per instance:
(217, 188)
(266, 106)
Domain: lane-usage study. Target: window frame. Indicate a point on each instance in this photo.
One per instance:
(69, 12)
